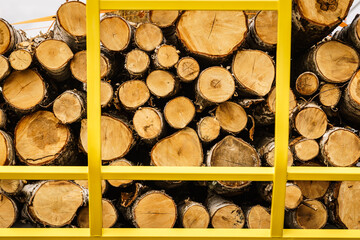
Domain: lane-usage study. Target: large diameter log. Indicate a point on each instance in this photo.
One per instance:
(9, 37)
(231, 116)
(137, 62)
(120, 183)
(7, 151)
(307, 83)
(258, 217)
(182, 148)
(53, 203)
(11, 186)
(208, 129)
(166, 56)
(254, 72)
(266, 151)
(4, 67)
(116, 138)
(148, 36)
(313, 189)
(203, 32)
(161, 83)
(224, 213)
(24, 90)
(70, 25)
(340, 147)
(85, 184)
(109, 215)
(313, 20)
(231, 152)
(327, 56)
(304, 149)
(351, 33)
(350, 107)
(40, 139)
(8, 211)
(133, 94)
(187, 69)
(310, 214)
(193, 215)
(54, 56)
(179, 112)
(21, 59)
(70, 106)
(148, 124)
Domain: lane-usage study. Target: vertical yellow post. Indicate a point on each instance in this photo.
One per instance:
(281, 116)
(93, 115)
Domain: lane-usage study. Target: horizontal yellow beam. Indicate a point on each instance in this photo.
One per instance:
(43, 172)
(306, 234)
(189, 4)
(324, 173)
(44, 233)
(188, 173)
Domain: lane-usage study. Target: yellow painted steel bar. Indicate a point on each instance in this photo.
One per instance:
(44, 233)
(281, 116)
(324, 173)
(306, 234)
(188, 173)
(189, 4)
(93, 116)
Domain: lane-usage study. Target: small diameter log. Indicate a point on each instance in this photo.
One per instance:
(329, 95)
(340, 147)
(327, 56)
(137, 62)
(231, 116)
(4, 67)
(53, 203)
(115, 33)
(120, 183)
(193, 215)
(254, 72)
(166, 56)
(116, 138)
(129, 196)
(214, 85)
(40, 139)
(106, 94)
(313, 189)
(263, 31)
(307, 83)
(148, 36)
(21, 59)
(109, 215)
(231, 152)
(266, 151)
(54, 56)
(3, 119)
(133, 94)
(342, 200)
(179, 112)
(350, 107)
(161, 83)
(154, 209)
(208, 129)
(85, 184)
(70, 106)
(224, 213)
(203, 32)
(8, 211)
(70, 25)
(182, 148)
(258, 217)
(11, 186)
(187, 69)
(310, 121)
(148, 124)
(313, 20)
(24, 90)
(9, 37)
(7, 151)
(351, 33)
(304, 149)
(310, 214)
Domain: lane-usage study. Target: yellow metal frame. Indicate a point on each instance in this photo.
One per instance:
(95, 172)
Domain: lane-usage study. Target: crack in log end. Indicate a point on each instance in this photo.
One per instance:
(327, 5)
(212, 26)
(215, 83)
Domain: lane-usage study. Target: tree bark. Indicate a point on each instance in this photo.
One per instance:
(193, 215)
(4, 67)
(350, 106)
(350, 34)
(3, 119)
(266, 150)
(10, 37)
(11, 186)
(8, 211)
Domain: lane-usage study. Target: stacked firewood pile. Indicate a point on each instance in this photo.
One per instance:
(182, 88)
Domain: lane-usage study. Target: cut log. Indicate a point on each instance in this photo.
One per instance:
(115, 33)
(187, 69)
(7, 151)
(133, 94)
(351, 33)
(307, 83)
(258, 217)
(148, 124)
(208, 129)
(70, 25)
(310, 214)
(254, 72)
(129, 196)
(179, 112)
(182, 148)
(315, 19)
(43, 207)
(11, 186)
(266, 150)
(120, 183)
(327, 56)
(21, 59)
(350, 107)
(4, 67)
(214, 85)
(329, 95)
(85, 184)
(109, 215)
(224, 213)
(54, 56)
(3, 119)
(70, 106)
(166, 56)
(203, 32)
(313, 189)
(8, 211)
(154, 209)
(166, 21)
(106, 94)
(116, 138)
(137, 62)
(40, 139)
(193, 215)
(332, 146)
(148, 36)
(263, 31)
(161, 83)
(304, 149)
(9, 37)
(231, 152)
(231, 116)
(24, 90)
